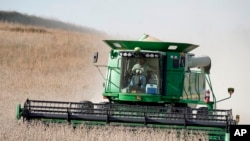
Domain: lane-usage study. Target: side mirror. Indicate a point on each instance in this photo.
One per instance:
(95, 57)
(230, 91)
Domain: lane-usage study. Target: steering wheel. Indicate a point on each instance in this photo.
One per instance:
(139, 71)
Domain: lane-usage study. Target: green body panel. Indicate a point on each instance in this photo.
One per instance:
(113, 75)
(153, 98)
(153, 46)
(134, 97)
(18, 111)
(174, 76)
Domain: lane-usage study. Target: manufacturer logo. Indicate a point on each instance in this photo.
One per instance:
(138, 98)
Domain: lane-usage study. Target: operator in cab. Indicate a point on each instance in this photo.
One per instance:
(140, 70)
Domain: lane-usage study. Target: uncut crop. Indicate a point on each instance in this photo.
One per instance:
(40, 131)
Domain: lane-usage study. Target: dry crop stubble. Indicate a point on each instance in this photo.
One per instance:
(54, 132)
(56, 65)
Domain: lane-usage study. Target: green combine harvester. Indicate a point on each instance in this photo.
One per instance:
(148, 83)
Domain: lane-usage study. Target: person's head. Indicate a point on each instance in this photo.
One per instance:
(141, 61)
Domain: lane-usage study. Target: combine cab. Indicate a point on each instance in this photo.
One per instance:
(148, 83)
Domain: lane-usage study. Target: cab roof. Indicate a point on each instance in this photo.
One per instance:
(151, 45)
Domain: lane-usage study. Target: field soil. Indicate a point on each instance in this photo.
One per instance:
(49, 64)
